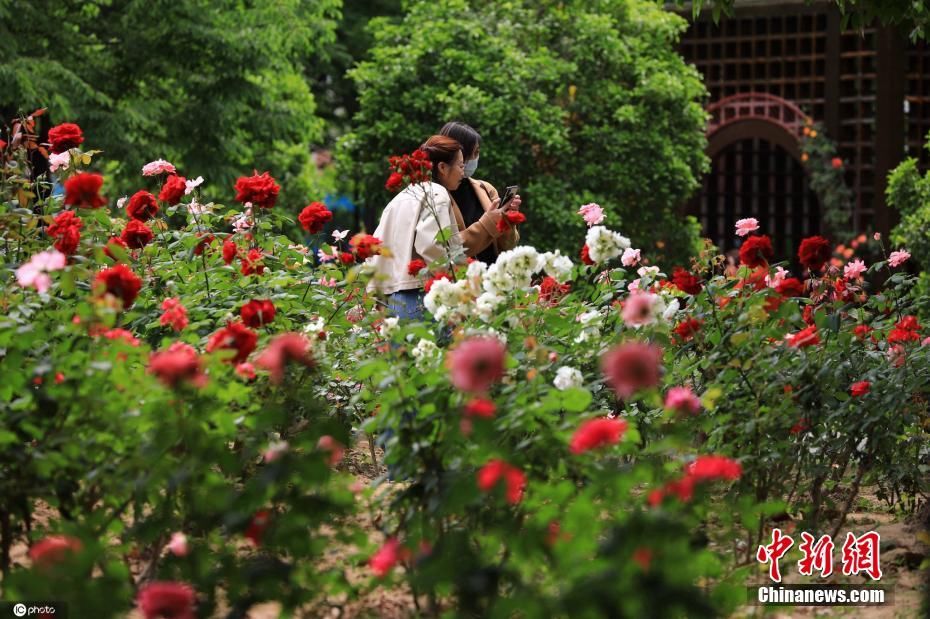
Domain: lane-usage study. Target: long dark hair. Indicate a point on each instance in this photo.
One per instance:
(464, 135)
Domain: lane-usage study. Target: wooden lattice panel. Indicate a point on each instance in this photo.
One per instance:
(918, 102)
(754, 178)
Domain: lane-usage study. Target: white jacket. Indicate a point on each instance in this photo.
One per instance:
(408, 229)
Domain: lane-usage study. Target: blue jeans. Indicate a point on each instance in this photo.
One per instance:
(407, 304)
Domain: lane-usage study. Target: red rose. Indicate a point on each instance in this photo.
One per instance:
(83, 191)
(756, 251)
(66, 228)
(203, 243)
(230, 250)
(234, 336)
(438, 275)
(161, 600)
(709, 468)
(550, 291)
(837, 163)
(586, 256)
(252, 263)
(687, 329)
(173, 189)
(112, 242)
(908, 323)
(861, 331)
(685, 281)
(804, 338)
(137, 235)
(260, 190)
(790, 287)
(632, 366)
(415, 266)
(510, 219)
(857, 390)
(257, 525)
(480, 407)
(384, 560)
(394, 182)
(595, 433)
(494, 471)
(346, 258)
(177, 365)
(476, 364)
(53, 549)
(142, 206)
(121, 282)
(314, 217)
(174, 314)
(2, 144)
(814, 252)
(365, 246)
(284, 349)
(65, 136)
(257, 312)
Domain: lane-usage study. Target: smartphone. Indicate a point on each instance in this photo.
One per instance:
(509, 194)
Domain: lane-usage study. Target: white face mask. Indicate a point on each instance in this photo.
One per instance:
(470, 167)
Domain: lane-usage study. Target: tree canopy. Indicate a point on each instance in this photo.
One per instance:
(577, 102)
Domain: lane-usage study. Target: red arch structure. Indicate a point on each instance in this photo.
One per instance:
(755, 115)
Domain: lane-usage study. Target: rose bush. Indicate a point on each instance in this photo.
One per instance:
(583, 439)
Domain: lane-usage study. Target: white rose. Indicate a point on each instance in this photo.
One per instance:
(567, 377)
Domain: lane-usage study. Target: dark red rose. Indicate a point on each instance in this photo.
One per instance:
(365, 246)
(173, 189)
(203, 243)
(259, 189)
(114, 240)
(137, 235)
(346, 258)
(687, 329)
(167, 600)
(415, 266)
(234, 336)
(314, 217)
(790, 287)
(685, 281)
(65, 136)
(252, 263)
(814, 252)
(756, 251)
(230, 250)
(586, 256)
(142, 206)
(121, 282)
(551, 291)
(257, 312)
(256, 529)
(83, 191)
(66, 229)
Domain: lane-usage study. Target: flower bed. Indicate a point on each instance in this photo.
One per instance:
(593, 438)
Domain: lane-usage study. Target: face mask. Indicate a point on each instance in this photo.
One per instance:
(470, 167)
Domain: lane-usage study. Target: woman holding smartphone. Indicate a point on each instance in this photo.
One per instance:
(410, 231)
(474, 197)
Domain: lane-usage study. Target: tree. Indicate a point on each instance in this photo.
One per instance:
(576, 103)
(217, 87)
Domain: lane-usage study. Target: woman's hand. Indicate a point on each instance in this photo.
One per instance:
(513, 205)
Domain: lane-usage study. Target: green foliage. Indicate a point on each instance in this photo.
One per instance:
(911, 17)
(214, 87)
(575, 103)
(909, 192)
(827, 172)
